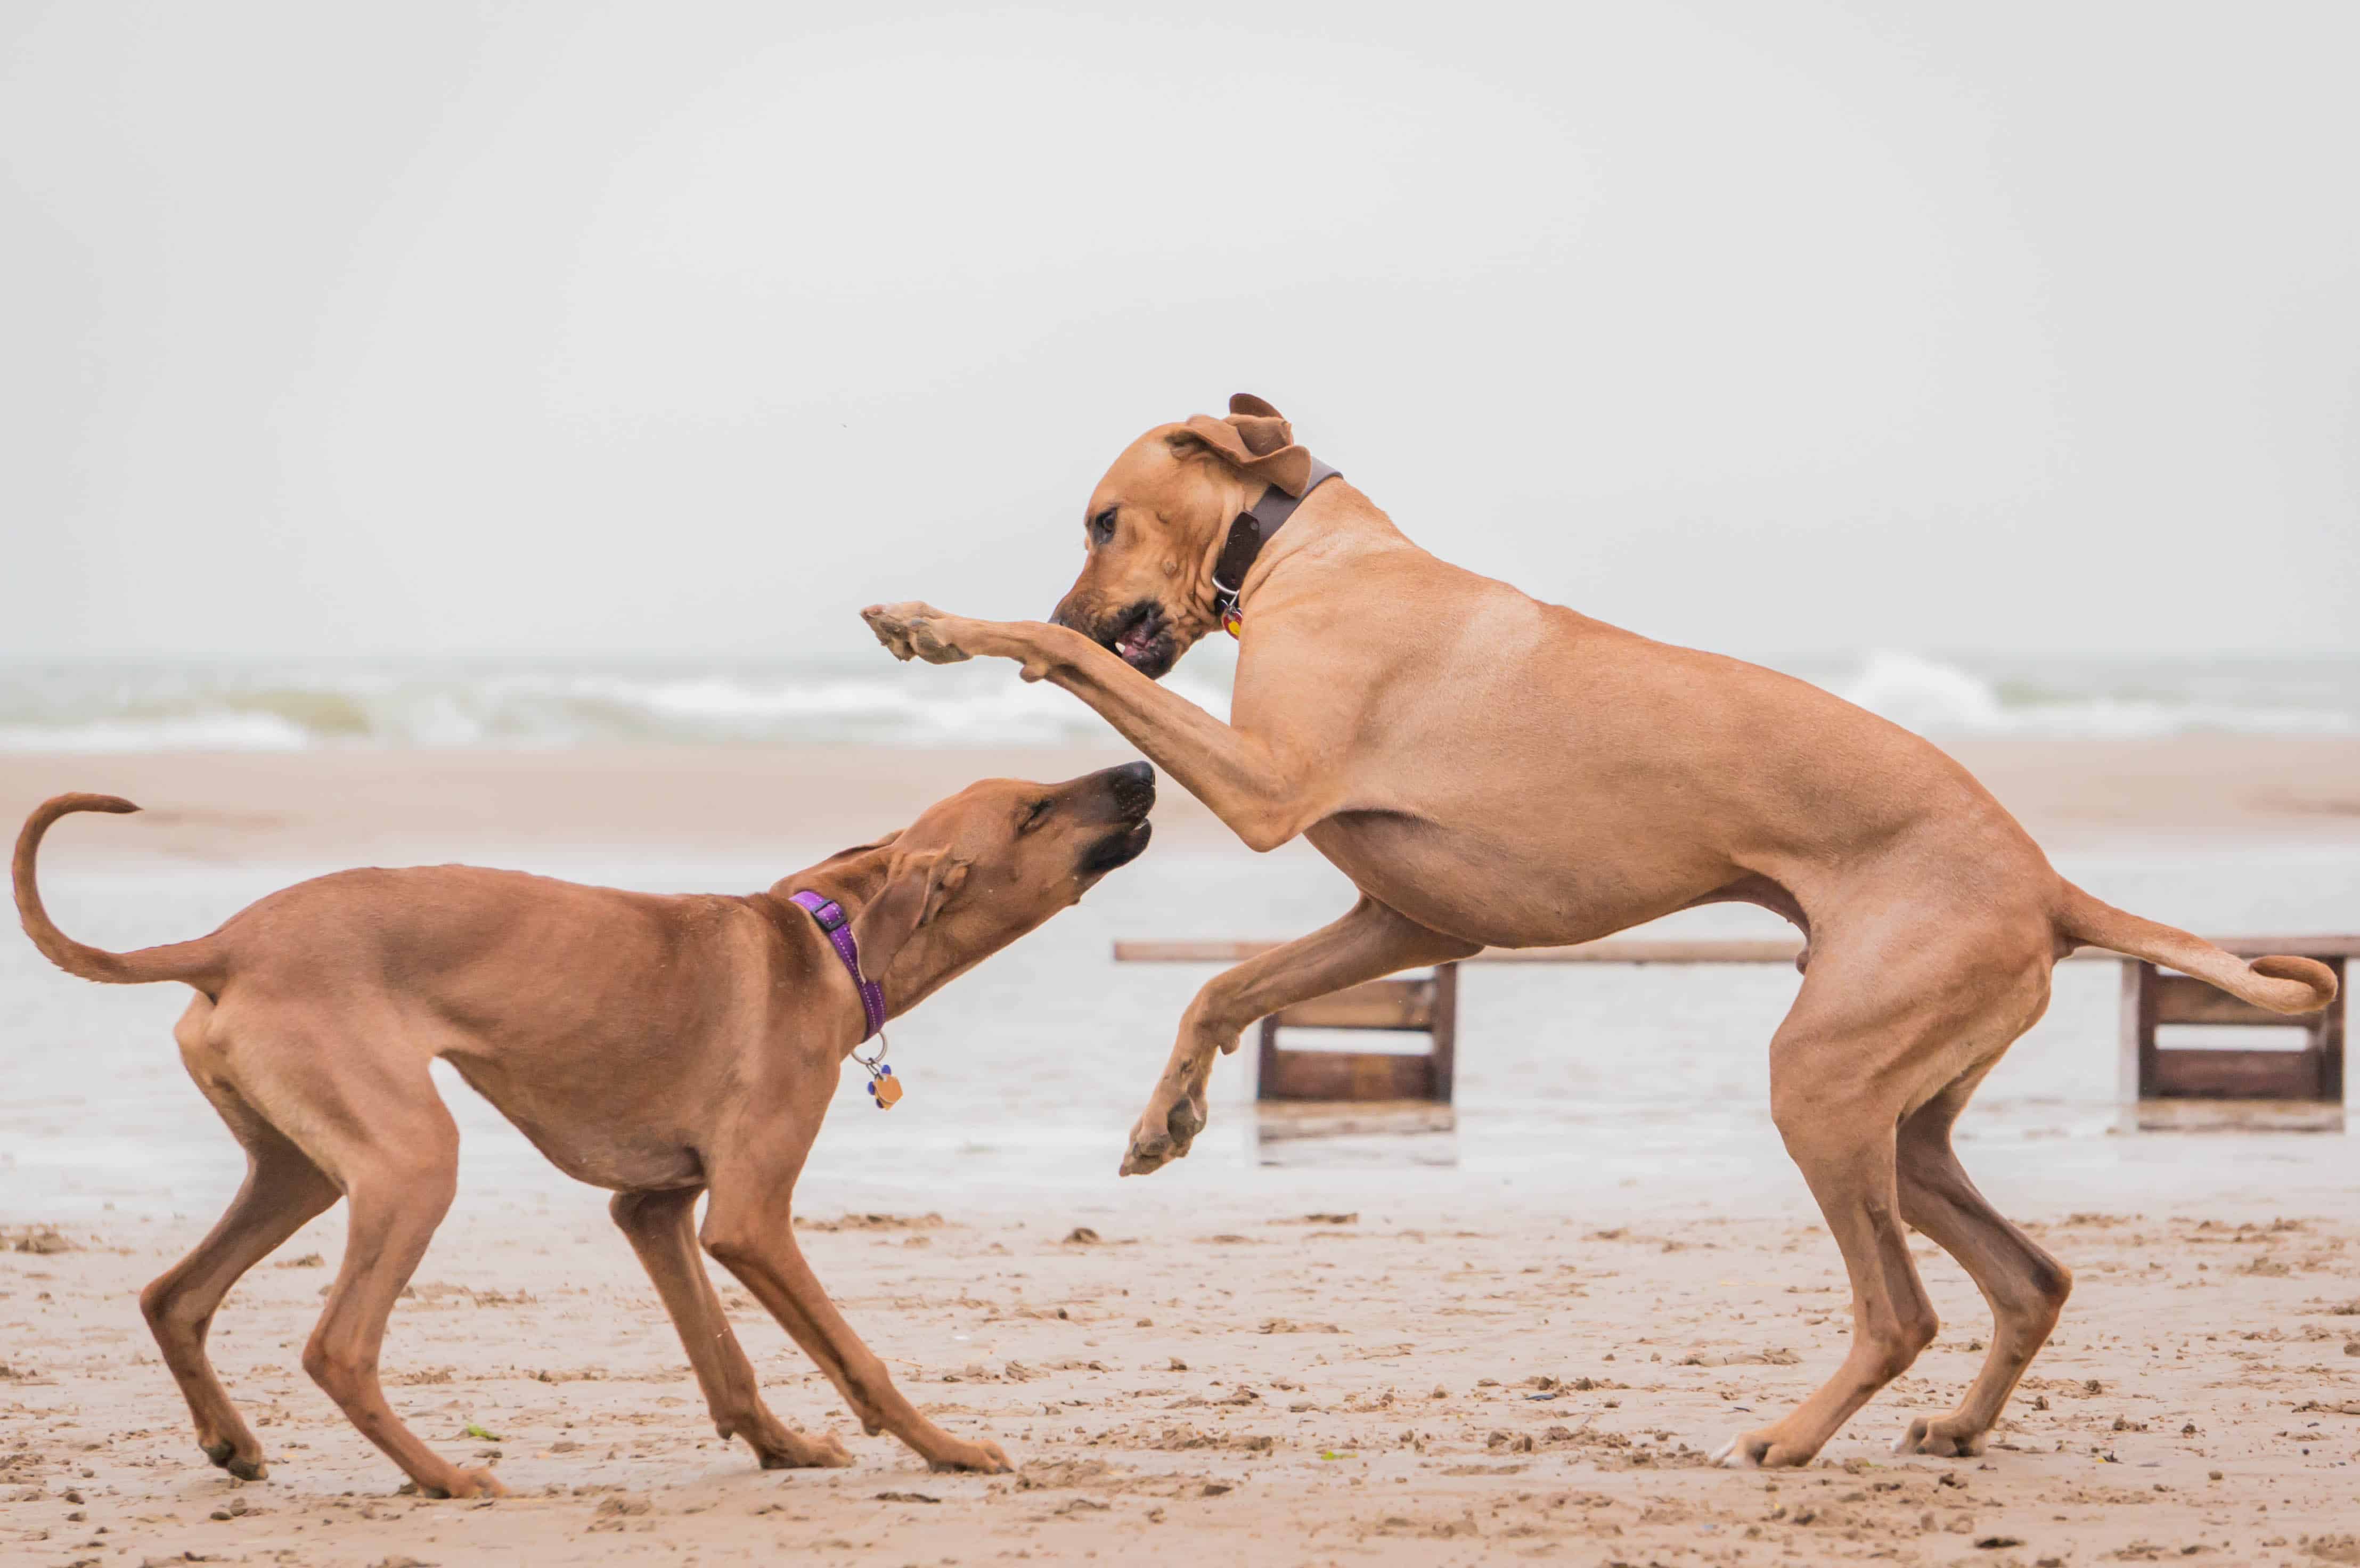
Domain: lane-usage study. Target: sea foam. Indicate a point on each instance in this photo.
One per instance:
(2104, 702)
(296, 705)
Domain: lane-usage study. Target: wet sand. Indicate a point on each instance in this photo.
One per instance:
(1407, 1385)
(435, 805)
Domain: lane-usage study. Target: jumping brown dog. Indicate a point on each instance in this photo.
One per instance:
(1490, 769)
(659, 1047)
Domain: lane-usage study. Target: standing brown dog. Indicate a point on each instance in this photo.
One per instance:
(1490, 769)
(659, 1047)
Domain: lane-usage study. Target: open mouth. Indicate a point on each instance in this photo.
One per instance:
(1140, 639)
(1117, 848)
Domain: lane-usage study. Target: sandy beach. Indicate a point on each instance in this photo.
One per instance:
(1525, 1353)
(1395, 1384)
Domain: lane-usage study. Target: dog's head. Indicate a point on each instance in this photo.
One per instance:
(1157, 522)
(979, 870)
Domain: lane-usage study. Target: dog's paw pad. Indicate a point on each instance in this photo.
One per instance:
(1145, 1155)
(1946, 1439)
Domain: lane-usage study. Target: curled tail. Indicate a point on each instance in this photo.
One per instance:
(2281, 985)
(197, 962)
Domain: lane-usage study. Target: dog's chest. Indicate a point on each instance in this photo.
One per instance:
(1494, 890)
(592, 1134)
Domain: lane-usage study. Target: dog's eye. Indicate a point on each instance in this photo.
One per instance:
(1102, 526)
(1034, 817)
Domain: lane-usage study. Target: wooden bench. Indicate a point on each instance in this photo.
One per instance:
(2161, 1086)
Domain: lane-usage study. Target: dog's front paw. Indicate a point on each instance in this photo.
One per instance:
(914, 631)
(467, 1483)
(984, 1457)
(1762, 1449)
(1164, 1134)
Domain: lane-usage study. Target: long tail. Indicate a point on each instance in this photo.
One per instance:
(2281, 985)
(197, 963)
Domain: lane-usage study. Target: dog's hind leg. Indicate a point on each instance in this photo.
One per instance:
(283, 1192)
(370, 1118)
(2024, 1287)
(1836, 1096)
(662, 1229)
(1368, 941)
(1888, 1017)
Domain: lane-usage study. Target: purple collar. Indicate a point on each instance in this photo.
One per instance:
(830, 916)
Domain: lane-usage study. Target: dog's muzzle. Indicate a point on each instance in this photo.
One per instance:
(1131, 791)
(1141, 635)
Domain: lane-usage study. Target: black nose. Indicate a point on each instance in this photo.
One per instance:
(1133, 784)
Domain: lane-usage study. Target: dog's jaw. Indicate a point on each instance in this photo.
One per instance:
(1136, 646)
(1142, 636)
(1117, 850)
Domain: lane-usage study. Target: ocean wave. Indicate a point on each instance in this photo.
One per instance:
(1936, 697)
(123, 706)
(118, 708)
(181, 732)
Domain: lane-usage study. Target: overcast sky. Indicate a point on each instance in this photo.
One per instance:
(1778, 328)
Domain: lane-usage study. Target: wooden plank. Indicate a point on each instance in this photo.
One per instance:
(1779, 950)
(1377, 1004)
(2183, 999)
(1346, 1075)
(2236, 1074)
(1190, 952)
(1650, 949)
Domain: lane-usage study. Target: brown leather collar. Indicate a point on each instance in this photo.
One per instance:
(1249, 531)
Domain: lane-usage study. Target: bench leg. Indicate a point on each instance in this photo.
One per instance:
(2138, 1068)
(2327, 1036)
(1445, 1031)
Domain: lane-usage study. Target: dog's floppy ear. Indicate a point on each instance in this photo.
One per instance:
(1255, 438)
(862, 848)
(914, 889)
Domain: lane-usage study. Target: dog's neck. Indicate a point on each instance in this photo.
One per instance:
(851, 881)
(1240, 555)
